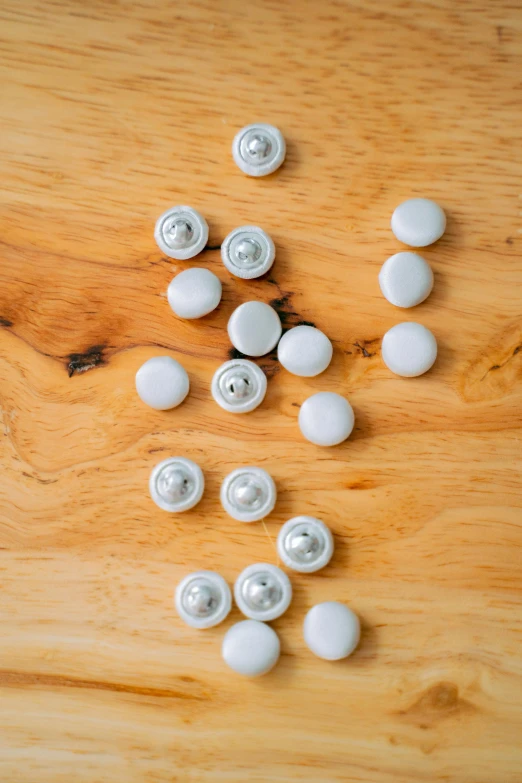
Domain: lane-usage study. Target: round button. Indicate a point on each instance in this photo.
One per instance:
(326, 419)
(181, 233)
(162, 383)
(248, 494)
(203, 599)
(259, 149)
(262, 592)
(409, 349)
(254, 328)
(331, 630)
(248, 252)
(176, 484)
(194, 293)
(251, 648)
(305, 544)
(305, 351)
(239, 386)
(418, 222)
(406, 279)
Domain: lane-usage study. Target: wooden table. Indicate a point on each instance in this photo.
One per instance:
(110, 113)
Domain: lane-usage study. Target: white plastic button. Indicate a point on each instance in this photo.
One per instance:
(331, 630)
(259, 149)
(194, 293)
(262, 592)
(181, 233)
(239, 386)
(418, 222)
(251, 648)
(248, 252)
(305, 544)
(305, 351)
(406, 279)
(326, 419)
(203, 599)
(254, 328)
(248, 494)
(409, 349)
(162, 383)
(176, 484)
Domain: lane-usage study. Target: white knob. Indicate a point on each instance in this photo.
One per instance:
(331, 630)
(251, 648)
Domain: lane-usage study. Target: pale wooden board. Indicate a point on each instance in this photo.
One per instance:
(113, 111)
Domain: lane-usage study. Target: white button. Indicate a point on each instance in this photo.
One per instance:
(259, 149)
(248, 252)
(409, 349)
(248, 494)
(239, 386)
(406, 279)
(418, 222)
(176, 484)
(254, 328)
(251, 648)
(331, 630)
(305, 351)
(262, 592)
(203, 599)
(326, 419)
(162, 383)
(305, 544)
(181, 233)
(194, 293)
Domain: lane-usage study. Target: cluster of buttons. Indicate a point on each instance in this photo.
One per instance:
(263, 592)
(410, 349)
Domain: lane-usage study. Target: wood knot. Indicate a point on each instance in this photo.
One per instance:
(81, 362)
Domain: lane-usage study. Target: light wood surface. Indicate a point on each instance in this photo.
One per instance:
(113, 111)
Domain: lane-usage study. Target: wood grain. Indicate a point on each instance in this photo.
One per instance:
(112, 111)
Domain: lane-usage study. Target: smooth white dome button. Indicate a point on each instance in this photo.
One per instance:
(254, 328)
(405, 279)
(262, 592)
(418, 222)
(305, 544)
(331, 630)
(162, 383)
(305, 351)
(181, 233)
(239, 386)
(203, 599)
(248, 252)
(251, 648)
(326, 419)
(409, 349)
(194, 293)
(259, 149)
(176, 484)
(248, 494)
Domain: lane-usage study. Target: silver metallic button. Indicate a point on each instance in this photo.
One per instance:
(181, 233)
(248, 494)
(248, 252)
(259, 149)
(305, 544)
(176, 484)
(203, 599)
(262, 592)
(239, 386)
